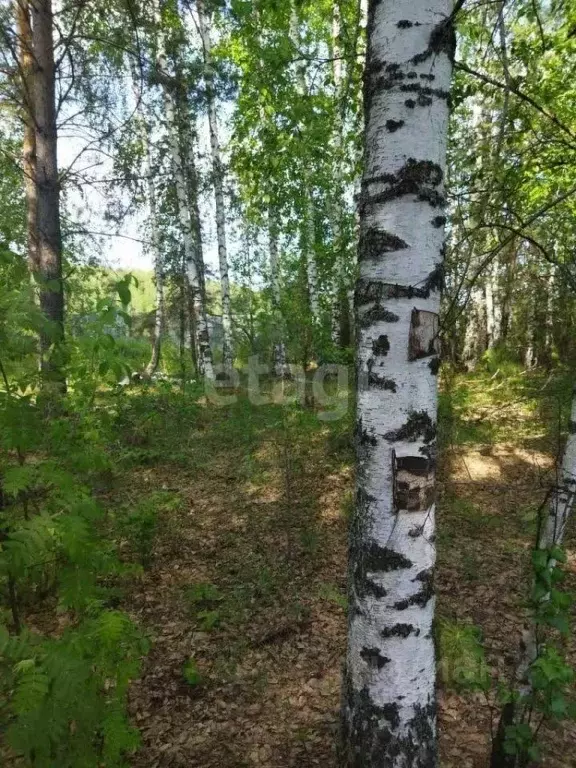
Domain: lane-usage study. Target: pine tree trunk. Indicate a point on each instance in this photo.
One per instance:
(218, 181)
(192, 271)
(389, 699)
(26, 67)
(49, 236)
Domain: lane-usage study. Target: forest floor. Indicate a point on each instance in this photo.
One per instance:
(244, 591)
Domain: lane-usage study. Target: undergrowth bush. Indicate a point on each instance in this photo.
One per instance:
(65, 683)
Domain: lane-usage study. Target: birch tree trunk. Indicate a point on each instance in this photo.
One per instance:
(281, 367)
(26, 67)
(389, 700)
(336, 212)
(562, 500)
(188, 139)
(493, 306)
(49, 236)
(551, 534)
(192, 271)
(158, 271)
(218, 181)
(151, 196)
(308, 226)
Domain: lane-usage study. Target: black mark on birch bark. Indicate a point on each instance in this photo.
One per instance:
(419, 425)
(373, 589)
(374, 658)
(374, 243)
(381, 346)
(425, 92)
(417, 177)
(370, 733)
(434, 366)
(381, 382)
(424, 594)
(379, 559)
(423, 338)
(438, 221)
(374, 291)
(399, 630)
(442, 40)
(364, 436)
(394, 125)
(376, 314)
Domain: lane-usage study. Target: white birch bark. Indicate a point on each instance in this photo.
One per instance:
(154, 234)
(158, 277)
(192, 270)
(564, 495)
(490, 298)
(218, 181)
(551, 534)
(337, 207)
(308, 227)
(389, 709)
(281, 367)
(549, 336)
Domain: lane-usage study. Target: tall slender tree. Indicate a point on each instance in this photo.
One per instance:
(308, 231)
(47, 249)
(204, 23)
(193, 271)
(159, 312)
(389, 702)
(26, 69)
(281, 367)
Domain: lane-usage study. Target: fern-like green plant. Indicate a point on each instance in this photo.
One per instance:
(68, 704)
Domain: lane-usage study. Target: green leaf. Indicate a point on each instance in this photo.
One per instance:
(191, 673)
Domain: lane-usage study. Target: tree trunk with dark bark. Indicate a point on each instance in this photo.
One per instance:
(49, 236)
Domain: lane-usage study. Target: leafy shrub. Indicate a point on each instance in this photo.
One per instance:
(68, 695)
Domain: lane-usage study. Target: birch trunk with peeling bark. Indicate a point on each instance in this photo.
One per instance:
(218, 182)
(192, 272)
(389, 699)
(49, 236)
